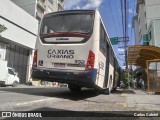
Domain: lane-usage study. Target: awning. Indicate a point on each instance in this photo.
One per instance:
(137, 55)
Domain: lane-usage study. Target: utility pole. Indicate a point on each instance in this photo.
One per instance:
(124, 39)
(125, 43)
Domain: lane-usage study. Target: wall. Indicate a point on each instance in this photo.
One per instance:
(135, 25)
(53, 6)
(141, 19)
(152, 7)
(28, 5)
(154, 31)
(20, 37)
(21, 27)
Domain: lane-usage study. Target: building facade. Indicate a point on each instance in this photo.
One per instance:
(135, 25)
(37, 8)
(147, 11)
(154, 32)
(18, 40)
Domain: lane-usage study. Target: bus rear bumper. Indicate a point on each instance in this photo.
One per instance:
(78, 77)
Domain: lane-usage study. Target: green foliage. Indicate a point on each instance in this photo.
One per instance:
(124, 77)
(2, 28)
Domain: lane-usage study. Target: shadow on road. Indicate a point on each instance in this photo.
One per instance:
(54, 92)
(61, 92)
(125, 91)
(61, 114)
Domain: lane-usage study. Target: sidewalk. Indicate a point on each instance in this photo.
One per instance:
(143, 100)
(137, 91)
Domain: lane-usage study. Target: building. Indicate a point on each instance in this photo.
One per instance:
(18, 40)
(37, 8)
(146, 25)
(142, 29)
(147, 11)
(135, 25)
(154, 32)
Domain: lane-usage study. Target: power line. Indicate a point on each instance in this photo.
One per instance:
(125, 33)
(113, 19)
(132, 18)
(117, 15)
(127, 17)
(122, 16)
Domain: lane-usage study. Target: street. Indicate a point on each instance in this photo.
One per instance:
(61, 99)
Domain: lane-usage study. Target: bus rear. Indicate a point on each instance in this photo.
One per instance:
(65, 49)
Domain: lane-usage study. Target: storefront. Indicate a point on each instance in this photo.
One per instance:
(149, 58)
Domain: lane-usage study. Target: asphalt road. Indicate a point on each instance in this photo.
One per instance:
(61, 99)
(53, 98)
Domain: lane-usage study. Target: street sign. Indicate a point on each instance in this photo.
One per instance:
(114, 40)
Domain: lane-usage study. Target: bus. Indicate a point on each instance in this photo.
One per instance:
(73, 47)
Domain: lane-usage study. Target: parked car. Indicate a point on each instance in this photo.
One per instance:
(8, 76)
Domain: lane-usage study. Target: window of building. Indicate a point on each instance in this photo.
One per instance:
(50, 10)
(40, 11)
(43, 1)
(149, 36)
(51, 1)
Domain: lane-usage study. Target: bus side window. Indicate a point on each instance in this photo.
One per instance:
(111, 55)
(102, 40)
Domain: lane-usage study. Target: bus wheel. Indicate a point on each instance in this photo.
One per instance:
(106, 91)
(74, 88)
(114, 90)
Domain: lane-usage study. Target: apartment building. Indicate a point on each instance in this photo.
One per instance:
(148, 16)
(18, 40)
(37, 8)
(135, 25)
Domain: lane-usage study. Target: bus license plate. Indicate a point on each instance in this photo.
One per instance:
(59, 65)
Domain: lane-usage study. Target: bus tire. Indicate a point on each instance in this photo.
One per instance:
(106, 91)
(114, 90)
(74, 88)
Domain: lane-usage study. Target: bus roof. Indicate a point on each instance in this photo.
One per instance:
(69, 11)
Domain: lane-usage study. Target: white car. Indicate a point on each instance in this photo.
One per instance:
(7, 75)
(12, 78)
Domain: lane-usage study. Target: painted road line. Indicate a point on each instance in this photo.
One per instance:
(36, 101)
(123, 95)
(122, 104)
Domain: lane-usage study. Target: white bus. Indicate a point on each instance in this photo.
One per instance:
(73, 47)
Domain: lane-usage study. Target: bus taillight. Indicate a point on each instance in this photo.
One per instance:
(90, 61)
(35, 59)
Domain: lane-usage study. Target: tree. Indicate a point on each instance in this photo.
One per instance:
(2, 28)
(124, 77)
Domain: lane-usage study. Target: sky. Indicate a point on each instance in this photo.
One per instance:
(111, 14)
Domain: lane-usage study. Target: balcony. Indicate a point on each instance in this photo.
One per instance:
(61, 3)
(41, 4)
(39, 15)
